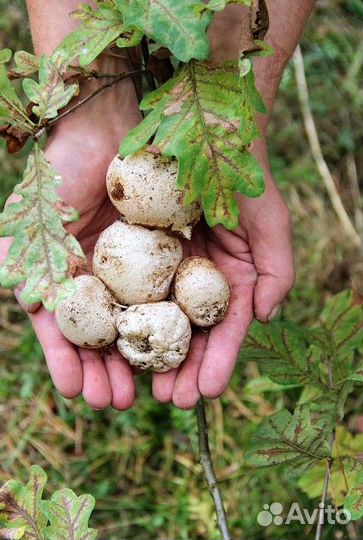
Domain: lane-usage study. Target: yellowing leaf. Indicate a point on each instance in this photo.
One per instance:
(341, 476)
(12, 110)
(42, 253)
(203, 117)
(354, 499)
(26, 63)
(294, 441)
(12, 534)
(179, 26)
(50, 94)
(19, 507)
(69, 516)
(98, 29)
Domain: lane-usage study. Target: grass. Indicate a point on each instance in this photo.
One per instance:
(141, 465)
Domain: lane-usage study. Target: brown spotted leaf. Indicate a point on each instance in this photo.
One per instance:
(206, 117)
(26, 64)
(12, 110)
(69, 516)
(281, 352)
(354, 499)
(49, 94)
(42, 254)
(179, 26)
(20, 513)
(99, 28)
(295, 441)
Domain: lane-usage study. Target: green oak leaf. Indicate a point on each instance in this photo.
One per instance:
(49, 94)
(20, 513)
(98, 29)
(42, 254)
(69, 516)
(5, 56)
(200, 117)
(340, 335)
(354, 499)
(342, 471)
(26, 63)
(179, 26)
(294, 441)
(12, 110)
(281, 352)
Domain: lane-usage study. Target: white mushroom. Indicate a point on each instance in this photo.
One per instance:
(135, 263)
(87, 318)
(201, 290)
(154, 336)
(143, 189)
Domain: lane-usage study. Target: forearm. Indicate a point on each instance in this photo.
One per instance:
(287, 20)
(50, 21)
(117, 108)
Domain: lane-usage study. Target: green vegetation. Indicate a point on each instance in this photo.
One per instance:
(141, 465)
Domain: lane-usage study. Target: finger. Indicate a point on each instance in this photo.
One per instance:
(121, 378)
(224, 343)
(163, 385)
(61, 356)
(186, 391)
(273, 257)
(96, 384)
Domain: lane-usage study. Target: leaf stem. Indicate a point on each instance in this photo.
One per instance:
(88, 98)
(206, 461)
(319, 527)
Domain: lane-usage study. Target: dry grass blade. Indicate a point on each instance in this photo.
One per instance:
(316, 151)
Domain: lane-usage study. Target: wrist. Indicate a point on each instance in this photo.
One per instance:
(112, 112)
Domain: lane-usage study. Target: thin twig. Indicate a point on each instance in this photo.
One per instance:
(322, 505)
(93, 74)
(207, 464)
(146, 58)
(355, 190)
(316, 151)
(88, 98)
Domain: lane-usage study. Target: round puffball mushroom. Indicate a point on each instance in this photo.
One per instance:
(135, 263)
(154, 336)
(143, 189)
(87, 318)
(201, 290)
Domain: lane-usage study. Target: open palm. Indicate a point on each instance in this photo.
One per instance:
(256, 259)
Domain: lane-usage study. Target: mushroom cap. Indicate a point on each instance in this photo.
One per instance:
(154, 336)
(87, 318)
(143, 189)
(201, 290)
(135, 263)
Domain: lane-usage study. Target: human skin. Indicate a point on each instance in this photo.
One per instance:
(256, 258)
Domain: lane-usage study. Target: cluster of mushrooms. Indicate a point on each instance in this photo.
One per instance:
(142, 293)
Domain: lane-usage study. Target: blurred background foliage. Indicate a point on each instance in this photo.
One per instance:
(141, 464)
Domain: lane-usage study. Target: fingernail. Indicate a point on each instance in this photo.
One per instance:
(274, 313)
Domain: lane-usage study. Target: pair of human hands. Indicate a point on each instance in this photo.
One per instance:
(256, 259)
